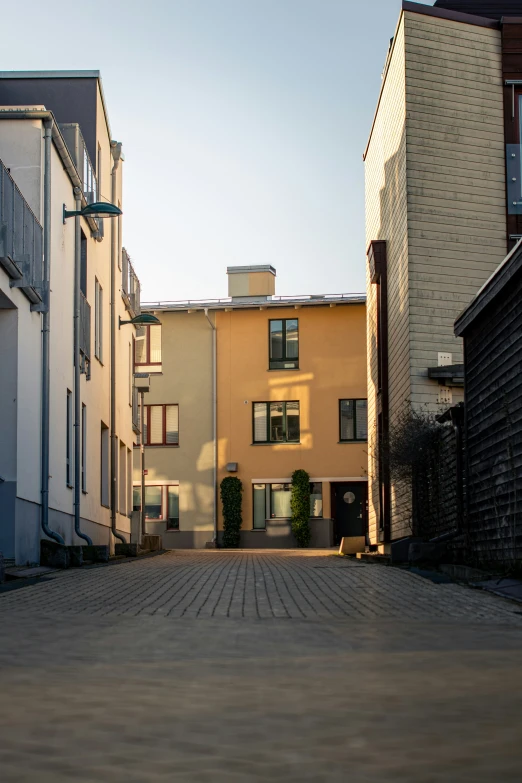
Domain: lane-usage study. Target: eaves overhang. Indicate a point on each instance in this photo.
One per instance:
(492, 288)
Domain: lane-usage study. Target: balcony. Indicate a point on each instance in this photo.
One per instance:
(21, 241)
(78, 151)
(85, 328)
(130, 285)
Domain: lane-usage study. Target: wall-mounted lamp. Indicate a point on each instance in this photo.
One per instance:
(144, 319)
(99, 209)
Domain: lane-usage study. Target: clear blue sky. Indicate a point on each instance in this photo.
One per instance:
(243, 124)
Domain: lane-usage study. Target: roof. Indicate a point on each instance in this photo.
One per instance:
(492, 288)
(494, 9)
(256, 302)
(62, 75)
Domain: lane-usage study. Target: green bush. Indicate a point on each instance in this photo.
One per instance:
(231, 489)
(300, 505)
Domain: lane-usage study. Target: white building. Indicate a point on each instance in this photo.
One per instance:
(55, 138)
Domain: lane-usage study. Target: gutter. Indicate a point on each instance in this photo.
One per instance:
(214, 419)
(77, 388)
(44, 456)
(116, 154)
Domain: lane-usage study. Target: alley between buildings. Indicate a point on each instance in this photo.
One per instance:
(230, 666)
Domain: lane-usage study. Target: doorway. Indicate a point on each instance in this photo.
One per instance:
(349, 509)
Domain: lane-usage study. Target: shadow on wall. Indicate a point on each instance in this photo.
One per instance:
(392, 200)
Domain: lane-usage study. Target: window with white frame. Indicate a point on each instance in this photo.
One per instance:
(98, 320)
(273, 501)
(104, 463)
(161, 503)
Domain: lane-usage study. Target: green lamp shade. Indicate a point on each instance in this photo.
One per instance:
(145, 318)
(101, 209)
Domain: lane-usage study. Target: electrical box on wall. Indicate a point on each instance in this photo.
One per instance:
(445, 396)
(445, 359)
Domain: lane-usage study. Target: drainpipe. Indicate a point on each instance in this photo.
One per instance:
(77, 388)
(214, 420)
(116, 154)
(48, 129)
(142, 464)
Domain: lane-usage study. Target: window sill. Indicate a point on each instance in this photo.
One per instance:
(279, 443)
(161, 446)
(69, 486)
(283, 369)
(352, 441)
(104, 505)
(84, 492)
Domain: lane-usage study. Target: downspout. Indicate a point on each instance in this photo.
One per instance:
(116, 154)
(48, 130)
(214, 420)
(77, 397)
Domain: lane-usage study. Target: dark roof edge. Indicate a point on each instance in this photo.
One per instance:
(454, 16)
(501, 277)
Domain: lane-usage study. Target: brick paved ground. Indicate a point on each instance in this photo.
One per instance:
(221, 666)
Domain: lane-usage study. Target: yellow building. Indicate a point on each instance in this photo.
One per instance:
(288, 376)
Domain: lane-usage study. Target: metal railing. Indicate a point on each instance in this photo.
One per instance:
(85, 327)
(136, 412)
(130, 283)
(21, 239)
(298, 299)
(78, 151)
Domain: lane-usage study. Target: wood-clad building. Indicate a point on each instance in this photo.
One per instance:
(437, 213)
(492, 330)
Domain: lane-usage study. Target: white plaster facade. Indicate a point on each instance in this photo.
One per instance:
(22, 153)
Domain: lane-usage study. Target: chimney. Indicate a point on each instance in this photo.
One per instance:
(251, 282)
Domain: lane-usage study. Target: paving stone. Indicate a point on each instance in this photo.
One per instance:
(254, 666)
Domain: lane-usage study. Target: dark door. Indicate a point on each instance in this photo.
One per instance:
(349, 509)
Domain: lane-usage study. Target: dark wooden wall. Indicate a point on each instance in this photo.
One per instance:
(489, 8)
(493, 357)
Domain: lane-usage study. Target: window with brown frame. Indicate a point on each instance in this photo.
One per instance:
(147, 347)
(161, 425)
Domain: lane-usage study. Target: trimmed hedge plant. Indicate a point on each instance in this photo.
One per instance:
(300, 504)
(231, 491)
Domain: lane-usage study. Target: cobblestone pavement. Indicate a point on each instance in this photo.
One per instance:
(256, 666)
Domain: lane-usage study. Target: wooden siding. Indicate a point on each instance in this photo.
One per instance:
(455, 182)
(494, 426)
(386, 218)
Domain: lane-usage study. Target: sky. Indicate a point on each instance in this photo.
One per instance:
(243, 125)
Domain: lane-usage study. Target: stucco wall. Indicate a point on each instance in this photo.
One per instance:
(186, 380)
(332, 366)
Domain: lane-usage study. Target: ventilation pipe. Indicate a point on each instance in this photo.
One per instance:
(48, 135)
(116, 155)
(214, 421)
(77, 387)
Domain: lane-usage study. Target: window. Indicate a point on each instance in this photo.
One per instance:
(68, 441)
(122, 499)
(259, 504)
(130, 372)
(316, 499)
(284, 344)
(129, 482)
(276, 422)
(274, 501)
(161, 504)
(353, 420)
(98, 320)
(173, 508)
(84, 448)
(104, 466)
(280, 497)
(83, 264)
(161, 425)
(148, 345)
